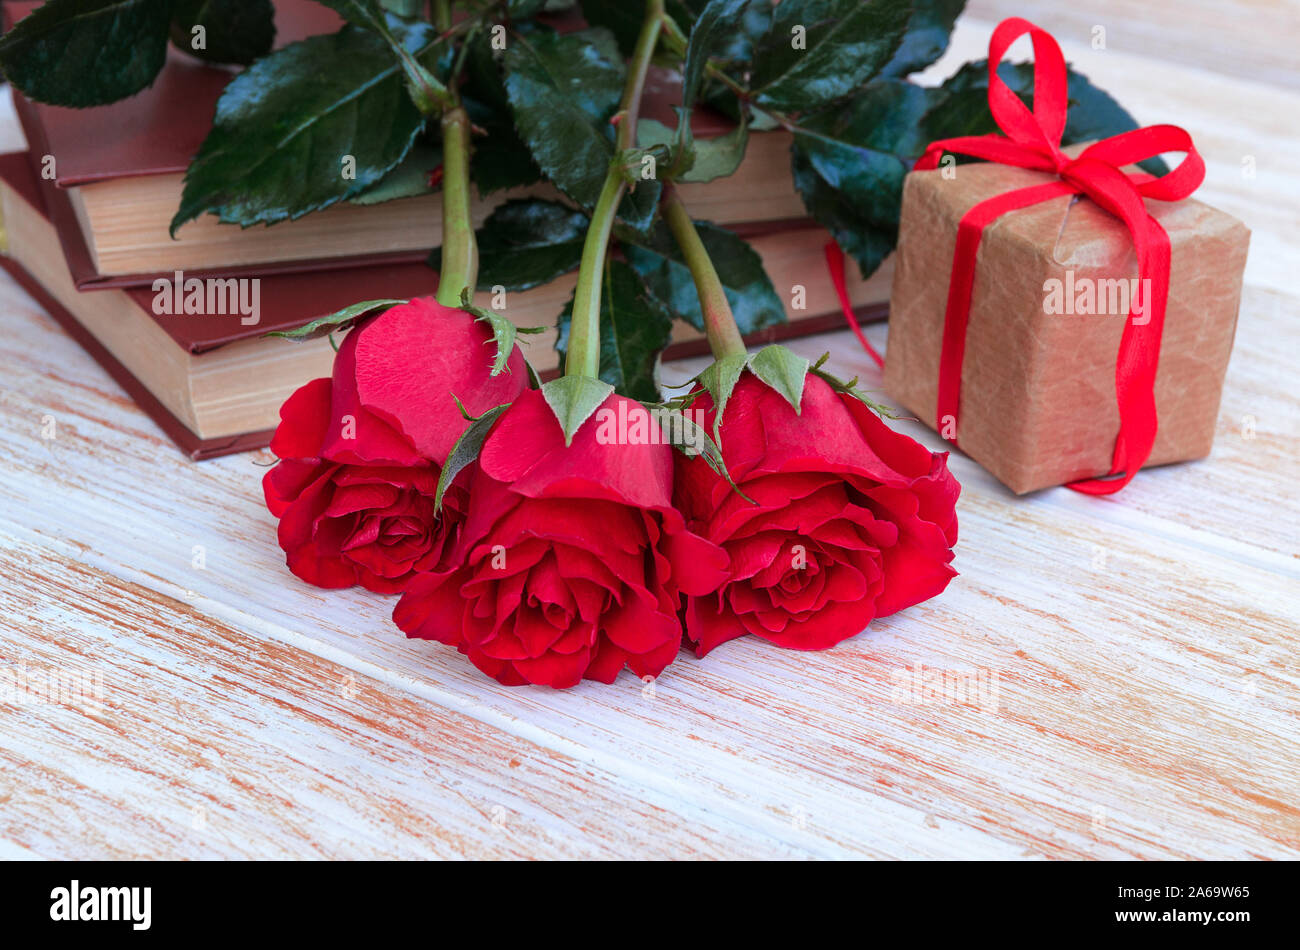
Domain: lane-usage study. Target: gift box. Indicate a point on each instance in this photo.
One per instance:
(1038, 404)
(1039, 362)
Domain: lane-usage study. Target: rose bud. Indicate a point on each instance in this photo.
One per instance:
(849, 520)
(360, 454)
(570, 560)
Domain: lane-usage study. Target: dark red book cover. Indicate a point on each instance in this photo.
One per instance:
(287, 300)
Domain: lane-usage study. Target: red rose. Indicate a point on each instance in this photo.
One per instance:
(853, 520)
(570, 560)
(360, 454)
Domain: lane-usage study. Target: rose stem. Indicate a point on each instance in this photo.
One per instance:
(583, 357)
(719, 322)
(459, 245)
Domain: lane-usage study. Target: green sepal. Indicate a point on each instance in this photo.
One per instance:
(503, 331)
(338, 320)
(719, 380)
(466, 449)
(573, 399)
(782, 370)
(695, 444)
(850, 388)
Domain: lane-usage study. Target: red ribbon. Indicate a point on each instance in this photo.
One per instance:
(1033, 140)
(835, 264)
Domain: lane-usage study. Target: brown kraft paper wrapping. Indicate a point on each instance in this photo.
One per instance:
(1038, 403)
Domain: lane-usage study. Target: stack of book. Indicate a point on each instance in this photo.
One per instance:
(180, 323)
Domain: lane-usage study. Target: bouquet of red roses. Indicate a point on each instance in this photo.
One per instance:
(559, 532)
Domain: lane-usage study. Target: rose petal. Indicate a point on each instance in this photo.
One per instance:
(413, 361)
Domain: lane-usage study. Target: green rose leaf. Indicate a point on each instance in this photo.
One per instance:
(46, 54)
(408, 179)
(501, 159)
(334, 322)
(871, 181)
(364, 13)
(234, 31)
(866, 243)
(820, 50)
(754, 301)
(737, 48)
(927, 36)
(573, 399)
(426, 91)
(309, 125)
(465, 451)
(718, 157)
(782, 370)
(715, 26)
(634, 329)
(563, 91)
(705, 159)
(526, 243)
(850, 163)
(717, 23)
(854, 148)
(640, 204)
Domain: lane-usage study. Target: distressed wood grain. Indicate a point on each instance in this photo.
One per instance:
(192, 738)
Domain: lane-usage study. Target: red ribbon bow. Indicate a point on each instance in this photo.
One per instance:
(1033, 140)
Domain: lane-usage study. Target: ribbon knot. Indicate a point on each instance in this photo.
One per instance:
(1032, 139)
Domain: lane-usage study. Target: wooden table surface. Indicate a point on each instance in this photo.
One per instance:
(1136, 656)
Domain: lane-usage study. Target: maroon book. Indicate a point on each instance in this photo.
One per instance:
(286, 301)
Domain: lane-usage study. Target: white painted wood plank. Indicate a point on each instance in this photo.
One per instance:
(195, 739)
(810, 749)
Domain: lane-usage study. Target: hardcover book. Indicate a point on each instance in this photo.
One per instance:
(211, 379)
